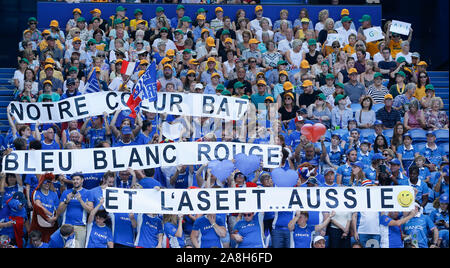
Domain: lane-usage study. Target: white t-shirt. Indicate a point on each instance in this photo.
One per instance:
(319, 26)
(260, 32)
(408, 57)
(284, 45)
(344, 33)
(20, 77)
(169, 45)
(116, 82)
(369, 223)
(254, 24)
(342, 218)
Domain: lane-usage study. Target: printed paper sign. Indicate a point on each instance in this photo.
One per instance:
(400, 27)
(335, 37)
(373, 34)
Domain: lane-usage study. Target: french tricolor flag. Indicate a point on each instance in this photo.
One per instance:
(129, 68)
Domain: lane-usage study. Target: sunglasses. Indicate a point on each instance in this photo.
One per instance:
(385, 154)
(193, 75)
(335, 47)
(422, 76)
(77, 43)
(247, 214)
(252, 61)
(77, 32)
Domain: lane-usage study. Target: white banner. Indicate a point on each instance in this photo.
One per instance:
(236, 200)
(400, 27)
(335, 37)
(98, 160)
(95, 104)
(373, 34)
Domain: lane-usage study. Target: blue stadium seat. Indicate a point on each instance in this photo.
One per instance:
(388, 133)
(367, 132)
(418, 135)
(420, 146)
(377, 106)
(442, 135)
(445, 147)
(328, 136)
(341, 132)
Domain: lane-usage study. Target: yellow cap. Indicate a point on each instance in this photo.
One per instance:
(204, 30)
(167, 66)
(388, 96)
(201, 17)
(210, 42)
(95, 10)
(352, 71)
(253, 41)
(193, 61)
(140, 21)
(164, 60)
(211, 59)
(289, 94)
(307, 83)
(304, 64)
(288, 86)
(260, 73)
(144, 61)
(261, 82)
(218, 9)
(49, 61)
(76, 10)
(215, 74)
(191, 72)
(75, 39)
(422, 63)
(269, 98)
(305, 20)
(119, 61)
(54, 23)
(47, 82)
(45, 32)
(97, 69)
(228, 39)
(140, 73)
(345, 12)
(48, 66)
(170, 52)
(258, 8)
(283, 72)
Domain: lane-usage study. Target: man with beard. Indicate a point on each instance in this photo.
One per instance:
(169, 78)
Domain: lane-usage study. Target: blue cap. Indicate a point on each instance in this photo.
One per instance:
(378, 156)
(443, 199)
(365, 141)
(349, 150)
(431, 133)
(70, 81)
(309, 122)
(351, 120)
(395, 161)
(303, 111)
(358, 164)
(407, 134)
(312, 180)
(377, 122)
(126, 130)
(355, 129)
(336, 134)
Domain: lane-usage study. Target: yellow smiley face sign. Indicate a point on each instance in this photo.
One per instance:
(405, 198)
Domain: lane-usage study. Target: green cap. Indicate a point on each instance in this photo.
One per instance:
(120, 8)
(365, 18)
(159, 9)
(238, 85)
(346, 18)
(179, 31)
(32, 19)
(186, 18)
(73, 68)
(94, 18)
(312, 42)
(339, 84)
(47, 96)
(245, 97)
(401, 59)
(81, 19)
(225, 32)
(25, 60)
(164, 29)
(376, 75)
(322, 96)
(281, 62)
(187, 50)
(180, 7)
(329, 76)
(220, 87)
(118, 21)
(138, 10)
(338, 98)
(92, 41)
(225, 92)
(429, 87)
(401, 73)
(325, 62)
(200, 10)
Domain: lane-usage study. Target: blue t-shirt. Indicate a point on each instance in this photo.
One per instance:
(52, 146)
(302, 237)
(365, 158)
(391, 236)
(95, 135)
(282, 219)
(346, 172)
(434, 156)
(149, 183)
(148, 230)
(184, 180)
(75, 213)
(122, 229)
(32, 180)
(57, 241)
(420, 186)
(294, 139)
(43, 245)
(96, 196)
(92, 180)
(407, 155)
(251, 232)
(49, 201)
(209, 238)
(371, 173)
(336, 157)
(170, 231)
(418, 228)
(98, 236)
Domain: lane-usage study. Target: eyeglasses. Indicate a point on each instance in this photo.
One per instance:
(77, 43)
(386, 154)
(335, 47)
(77, 32)
(252, 61)
(423, 76)
(247, 214)
(31, 23)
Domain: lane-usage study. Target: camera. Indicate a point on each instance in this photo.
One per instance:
(74, 192)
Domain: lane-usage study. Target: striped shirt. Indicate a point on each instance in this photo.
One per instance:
(377, 94)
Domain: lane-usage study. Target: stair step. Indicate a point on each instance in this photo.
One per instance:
(432, 74)
(7, 71)
(6, 92)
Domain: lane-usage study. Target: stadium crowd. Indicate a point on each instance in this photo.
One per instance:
(375, 99)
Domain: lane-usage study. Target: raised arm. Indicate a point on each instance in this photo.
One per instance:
(94, 211)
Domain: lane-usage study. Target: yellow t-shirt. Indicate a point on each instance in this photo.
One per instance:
(395, 47)
(300, 35)
(133, 24)
(350, 50)
(420, 93)
(372, 48)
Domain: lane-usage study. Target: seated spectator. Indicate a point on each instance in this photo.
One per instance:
(288, 108)
(422, 82)
(353, 89)
(366, 116)
(318, 112)
(377, 90)
(425, 102)
(401, 102)
(434, 116)
(414, 117)
(341, 114)
(387, 115)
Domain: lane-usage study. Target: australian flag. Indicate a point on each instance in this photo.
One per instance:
(92, 84)
(144, 89)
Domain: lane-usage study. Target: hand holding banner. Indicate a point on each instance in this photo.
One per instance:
(400, 27)
(373, 34)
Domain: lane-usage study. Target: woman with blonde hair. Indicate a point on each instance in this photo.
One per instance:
(323, 15)
(173, 231)
(358, 175)
(367, 77)
(434, 116)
